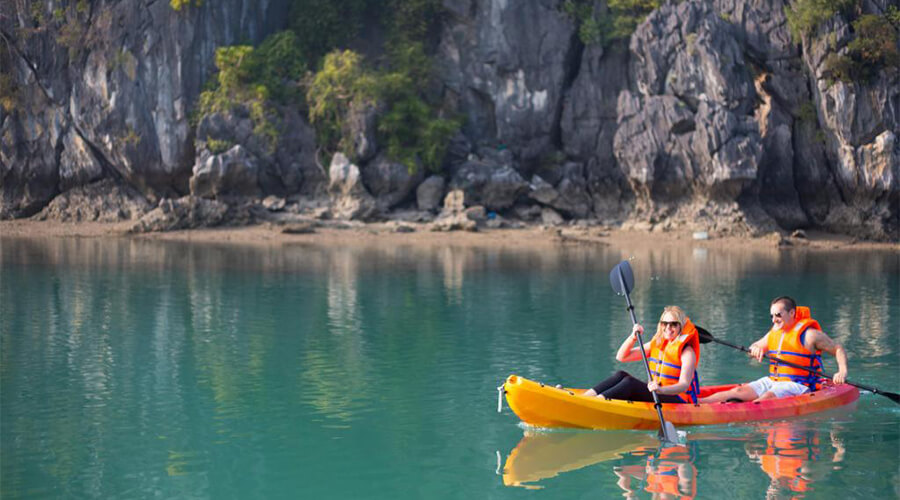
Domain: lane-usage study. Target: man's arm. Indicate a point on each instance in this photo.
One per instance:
(821, 342)
(758, 349)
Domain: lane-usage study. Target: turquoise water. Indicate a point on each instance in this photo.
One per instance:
(136, 369)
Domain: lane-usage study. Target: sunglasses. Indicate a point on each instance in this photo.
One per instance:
(670, 323)
(776, 315)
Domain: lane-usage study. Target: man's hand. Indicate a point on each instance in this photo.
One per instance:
(840, 377)
(757, 352)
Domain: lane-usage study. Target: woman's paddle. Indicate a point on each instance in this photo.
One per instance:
(622, 280)
(706, 337)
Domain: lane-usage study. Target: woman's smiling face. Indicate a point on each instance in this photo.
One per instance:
(671, 325)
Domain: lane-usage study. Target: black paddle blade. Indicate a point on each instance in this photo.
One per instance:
(619, 274)
(893, 396)
(705, 336)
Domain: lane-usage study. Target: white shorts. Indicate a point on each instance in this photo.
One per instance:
(780, 388)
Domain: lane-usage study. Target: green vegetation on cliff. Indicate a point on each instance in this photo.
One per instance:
(804, 16)
(255, 78)
(874, 44)
(873, 49)
(342, 85)
(616, 21)
(310, 66)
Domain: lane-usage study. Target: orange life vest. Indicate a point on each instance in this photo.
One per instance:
(663, 476)
(787, 451)
(665, 360)
(788, 346)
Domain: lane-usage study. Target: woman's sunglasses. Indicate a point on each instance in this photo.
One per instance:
(673, 324)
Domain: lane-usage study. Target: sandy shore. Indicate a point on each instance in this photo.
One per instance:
(420, 235)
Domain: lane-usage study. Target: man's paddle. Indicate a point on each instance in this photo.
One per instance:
(706, 337)
(622, 280)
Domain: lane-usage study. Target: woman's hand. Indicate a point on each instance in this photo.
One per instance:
(652, 386)
(636, 330)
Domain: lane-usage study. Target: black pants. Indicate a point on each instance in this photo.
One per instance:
(621, 385)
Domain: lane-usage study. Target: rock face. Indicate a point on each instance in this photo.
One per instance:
(507, 64)
(684, 132)
(350, 199)
(188, 212)
(485, 183)
(102, 201)
(860, 122)
(107, 87)
(254, 164)
(390, 182)
(709, 117)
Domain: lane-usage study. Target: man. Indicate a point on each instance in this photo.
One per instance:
(797, 339)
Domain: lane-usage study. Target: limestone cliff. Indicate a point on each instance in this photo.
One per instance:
(710, 116)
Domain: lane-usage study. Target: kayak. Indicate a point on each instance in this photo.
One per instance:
(541, 405)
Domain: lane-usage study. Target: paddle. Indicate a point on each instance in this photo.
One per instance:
(622, 280)
(706, 337)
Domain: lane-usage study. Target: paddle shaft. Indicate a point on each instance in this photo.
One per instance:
(893, 396)
(656, 403)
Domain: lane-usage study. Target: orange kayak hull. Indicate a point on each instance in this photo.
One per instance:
(541, 405)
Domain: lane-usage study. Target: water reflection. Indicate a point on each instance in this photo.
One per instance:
(794, 455)
(661, 471)
(789, 453)
(543, 455)
(670, 472)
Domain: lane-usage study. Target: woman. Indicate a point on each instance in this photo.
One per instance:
(673, 355)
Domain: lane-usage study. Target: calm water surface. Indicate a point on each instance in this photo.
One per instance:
(137, 369)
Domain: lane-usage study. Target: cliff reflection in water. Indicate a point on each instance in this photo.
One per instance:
(725, 290)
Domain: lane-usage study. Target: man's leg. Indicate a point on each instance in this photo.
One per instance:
(742, 392)
(766, 395)
(782, 389)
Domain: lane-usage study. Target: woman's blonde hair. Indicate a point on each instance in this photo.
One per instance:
(674, 310)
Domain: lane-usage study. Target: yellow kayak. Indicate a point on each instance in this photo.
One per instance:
(541, 405)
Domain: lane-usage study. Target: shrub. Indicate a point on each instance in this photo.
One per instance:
(256, 78)
(181, 4)
(217, 146)
(873, 49)
(341, 83)
(618, 21)
(806, 15)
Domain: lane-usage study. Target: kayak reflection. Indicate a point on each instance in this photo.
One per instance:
(790, 453)
(542, 455)
(670, 472)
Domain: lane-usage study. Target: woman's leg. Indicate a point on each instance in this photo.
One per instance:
(608, 382)
(634, 389)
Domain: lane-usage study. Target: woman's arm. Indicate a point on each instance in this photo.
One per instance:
(688, 365)
(628, 351)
